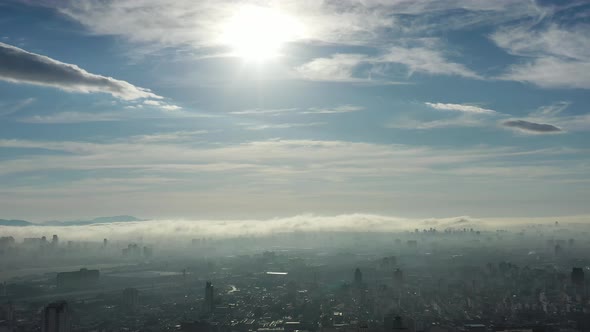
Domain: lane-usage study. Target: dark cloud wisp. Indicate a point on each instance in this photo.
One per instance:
(532, 127)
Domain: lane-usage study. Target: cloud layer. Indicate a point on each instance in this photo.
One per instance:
(20, 66)
(164, 231)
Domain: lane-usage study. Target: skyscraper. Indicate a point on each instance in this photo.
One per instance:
(358, 277)
(209, 291)
(577, 276)
(56, 318)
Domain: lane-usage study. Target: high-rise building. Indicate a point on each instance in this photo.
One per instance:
(130, 298)
(398, 276)
(55, 240)
(56, 318)
(358, 277)
(209, 292)
(577, 276)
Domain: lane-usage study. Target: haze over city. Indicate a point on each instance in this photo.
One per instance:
(294, 165)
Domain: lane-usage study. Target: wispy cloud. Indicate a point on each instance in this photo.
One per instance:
(71, 117)
(558, 57)
(20, 66)
(467, 116)
(284, 125)
(336, 68)
(348, 108)
(461, 108)
(334, 110)
(9, 108)
(270, 112)
(429, 59)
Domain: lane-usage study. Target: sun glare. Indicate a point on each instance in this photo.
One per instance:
(257, 33)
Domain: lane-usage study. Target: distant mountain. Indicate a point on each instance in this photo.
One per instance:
(99, 220)
(4, 222)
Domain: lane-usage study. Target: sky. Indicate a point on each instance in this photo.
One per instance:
(262, 109)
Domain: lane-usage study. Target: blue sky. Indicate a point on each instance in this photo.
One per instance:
(247, 109)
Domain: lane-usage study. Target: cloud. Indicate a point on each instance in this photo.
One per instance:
(336, 68)
(71, 117)
(360, 68)
(22, 67)
(271, 112)
(182, 231)
(461, 108)
(334, 110)
(285, 125)
(461, 121)
(162, 231)
(311, 110)
(555, 56)
(162, 105)
(352, 22)
(554, 116)
(10, 108)
(427, 60)
(532, 127)
(468, 116)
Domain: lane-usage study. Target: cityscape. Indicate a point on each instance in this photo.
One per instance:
(532, 278)
(295, 165)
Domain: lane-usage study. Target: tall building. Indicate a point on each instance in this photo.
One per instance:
(577, 276)
(358, 277)
(130, 298)
(55, 240)
(56, 318)
(209, 292)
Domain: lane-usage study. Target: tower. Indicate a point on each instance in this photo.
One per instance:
(209, 291)
(577, 276)
(56, 318)
(358, 277)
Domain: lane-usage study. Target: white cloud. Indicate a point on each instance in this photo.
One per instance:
(558, 57)
(359, 68)
(20, 66)
(461, 108)
(337, 68)
(427, 60)
(284, 125)
(334, 110)
(270, 112)
(162, 105)
(199, 24)
(71, 117)
(468, 116)
(460, 121)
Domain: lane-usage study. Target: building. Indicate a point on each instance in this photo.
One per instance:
(56, 318)
(577, 276)
(78, 279)
(358, 277)
(209, 305)
(130, 298)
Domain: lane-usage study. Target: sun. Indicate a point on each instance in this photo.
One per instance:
(259, 33)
